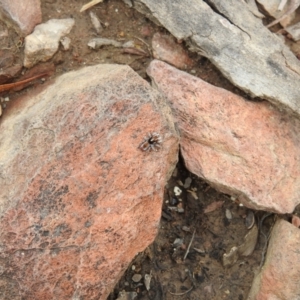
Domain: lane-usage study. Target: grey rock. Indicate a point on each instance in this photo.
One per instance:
(294, 31)
(43, 43)
(236, 42)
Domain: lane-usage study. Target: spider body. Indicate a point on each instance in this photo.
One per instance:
(152, 142)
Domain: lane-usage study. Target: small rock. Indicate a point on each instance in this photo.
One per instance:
(42, 44)
(250, 219)
(136, 278)
(128, 2)
(228, 214)
(123, 295)
(178, 242)
(187, 182)
(177, 191)
(96, 22)
(128, 44)
(294, 31)
(65, 41)
(165, 48)
(147, 281)
(97, 43)
(174, 201)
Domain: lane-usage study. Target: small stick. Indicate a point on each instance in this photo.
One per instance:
(291, 8)
(188, 249)
(89, 5)
(9, 86)
(181, 294)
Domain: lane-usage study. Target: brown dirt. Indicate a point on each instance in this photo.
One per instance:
(201, 275)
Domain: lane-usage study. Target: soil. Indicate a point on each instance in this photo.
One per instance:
(201, 274)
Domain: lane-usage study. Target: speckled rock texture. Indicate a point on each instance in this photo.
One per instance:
(247, 149)
(25, 14)
(280, 276)
(79, 199)
(165, 48)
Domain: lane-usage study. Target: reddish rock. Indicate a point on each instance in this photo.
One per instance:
(247, 149)
(280, 276)
(26, 14)
(79, 199)
(165, 48)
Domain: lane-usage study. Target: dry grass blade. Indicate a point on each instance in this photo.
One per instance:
(89, 5)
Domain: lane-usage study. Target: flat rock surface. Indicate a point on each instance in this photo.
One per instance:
(80, 198)
(26, 14)
(247, 149)
(236, 42)
(280, 275)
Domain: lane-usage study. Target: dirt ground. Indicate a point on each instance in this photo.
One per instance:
(201, 274)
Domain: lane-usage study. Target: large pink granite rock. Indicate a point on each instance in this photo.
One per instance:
(247, 149)
(79, 199)
(26, 14)
(280, 276)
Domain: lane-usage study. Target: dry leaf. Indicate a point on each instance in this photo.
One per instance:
(213, 206)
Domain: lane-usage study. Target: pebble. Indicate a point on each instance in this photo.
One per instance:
(187, 182)
(228, 214)
(147, 281)
(177, 191)
(96, 22)
(65, 41)
(136, 278)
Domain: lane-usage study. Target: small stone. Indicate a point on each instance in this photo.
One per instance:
(133, 267)
(294, 31)
(187, 182)
(147, 281)
(96, 22)
(128, 2)
(43, 43)
(228, 214)
(177, 191)
(65, 42)
(174, 201)
(178, 242)
(136, 278)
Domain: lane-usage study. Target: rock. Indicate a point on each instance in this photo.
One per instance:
(279, 278)
(43, 43)
(294, 31)
(97, 43)
(246, 149)
(26, 14)
(65, 42)
(96, 22)
(236, 42)
(282, 14)
(137, 278)
(165, 48)
(79, 200)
